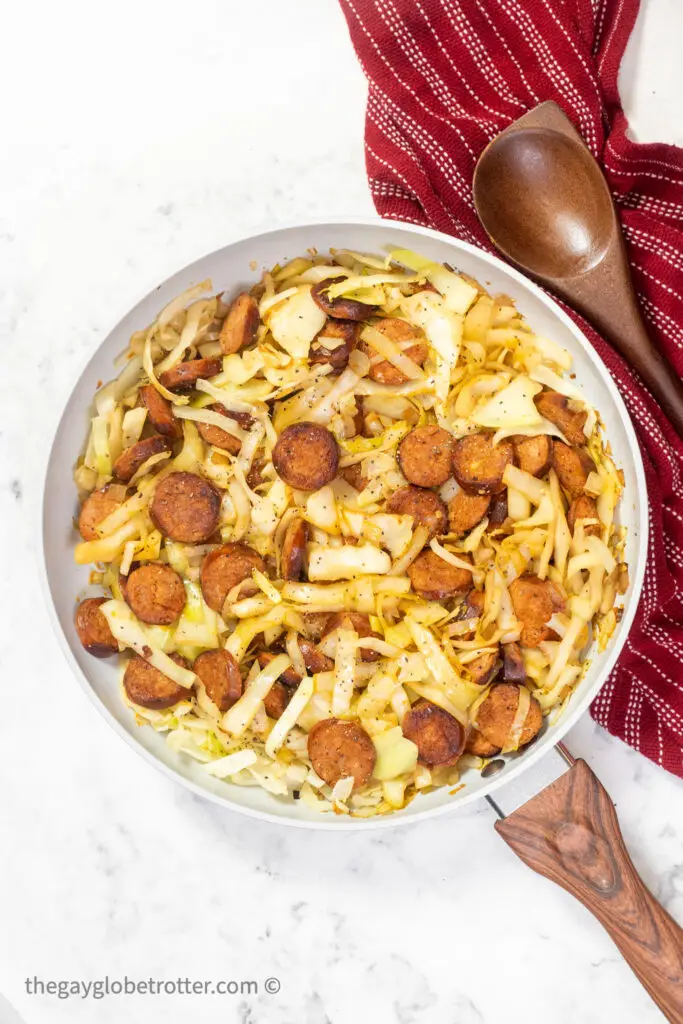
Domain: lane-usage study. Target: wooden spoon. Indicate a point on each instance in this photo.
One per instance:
(569, 832)
(545, 204)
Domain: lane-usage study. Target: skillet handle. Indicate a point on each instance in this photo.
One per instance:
(570, 834)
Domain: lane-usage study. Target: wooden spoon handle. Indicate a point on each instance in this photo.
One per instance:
(618, 317)
(570, 834)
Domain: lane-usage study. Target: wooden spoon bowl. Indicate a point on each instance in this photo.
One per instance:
(545, 204)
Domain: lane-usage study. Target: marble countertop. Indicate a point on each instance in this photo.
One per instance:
(136, 140)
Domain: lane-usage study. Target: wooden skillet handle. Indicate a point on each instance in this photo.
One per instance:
(570, 834)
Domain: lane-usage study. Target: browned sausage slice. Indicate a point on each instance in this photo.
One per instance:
(584, 507)
(185, 508)
(484, 668)
(294, 550)
(93, 629)
(478, 464)
(354, 476)
(314, 660)
(339, 750)
(402, 334)
(555, 407)
(533, 453)
(289, 677)
(337, 356)
(497, 713)
(240, 325)
(535, 601)
(224, 568)
(572, 466)
(498, 510)
(306, 456)
(255, 475)
(184, 376)
(359, 417)
(220, 674)
(425, 456)
(358, 623)
(439, 737)
(159, 412)
(220, 438)
(130, 460)
(150, 688)
(156, 594)
(426, 508)
(277, 699)
(437, 580)
(95, 509)
(478, 746)
(472, 607)
(466, 510)
(513, 664)
(341, 308)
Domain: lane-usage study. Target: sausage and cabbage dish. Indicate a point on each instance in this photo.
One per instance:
(355, 529)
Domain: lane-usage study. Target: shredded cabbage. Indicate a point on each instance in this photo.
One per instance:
(301, 556)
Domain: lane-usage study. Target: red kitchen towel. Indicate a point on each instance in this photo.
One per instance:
(445, 76)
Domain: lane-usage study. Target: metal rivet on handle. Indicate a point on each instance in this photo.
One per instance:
(492, 768)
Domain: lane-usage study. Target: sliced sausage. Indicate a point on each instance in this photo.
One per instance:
(497, 713)
(484, 668)
(306, 456)
(478, 464)
(426, 508)
(354, 476)
(159, 412)
(359, 417)
(439, 737)
(556, 408)
(478, 746)
(93, 629)
(533, 453)
(572, 466)
(130, 460)
(156, 594)
(314, 660)
(150, 688)
(277, 699)
(340, 308)
(184, 376)
(315, 623)
(185, 507)
(472, 607)
(224, 568)
(220, 438)
(289, 677)
(95, 509)
(294, 550)
(255, 475)
(466, 510)
(425, 456)
(584, 507)
(514, 670)
(339, 750)
(240, 325)
(337, 356)
(220, 674)
(358, 623)
(498, 510)
(437, 580)
(400, 333)
(535, 601)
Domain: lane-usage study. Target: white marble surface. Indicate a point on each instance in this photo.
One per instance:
(136, 137)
